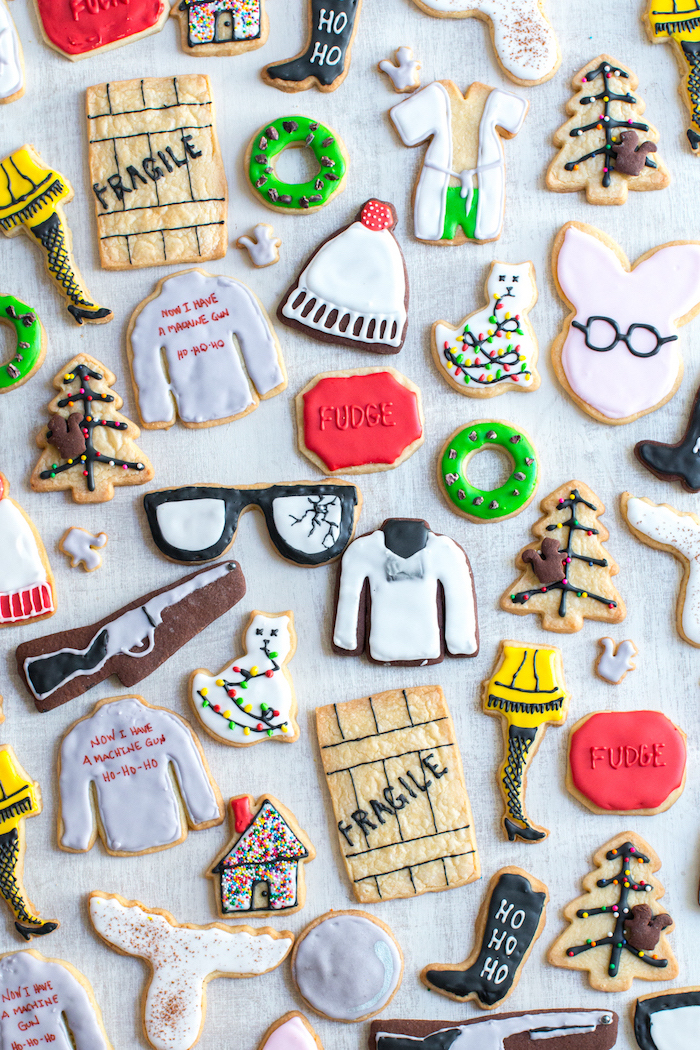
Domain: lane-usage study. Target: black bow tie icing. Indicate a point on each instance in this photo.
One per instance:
(680, 462)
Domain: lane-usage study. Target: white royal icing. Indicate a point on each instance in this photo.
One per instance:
(11, 72)
(676, 1029)
(359, 272)
(404, 621)
(20, 561)
(518, 297)
(181, 959)
(309, 524)
(615, 662)
(127, 753)
(192, 524)
(263, 247)
(428, 115)
(347, 967)
(492, 1033)
(292, 1035)
(42, 1002)
(404, 74)
(80, 546)
(523, 38)
(275, 691)
(194, 320)
(657, 292)
(681, 531)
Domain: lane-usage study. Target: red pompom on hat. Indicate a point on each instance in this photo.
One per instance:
(376, 215)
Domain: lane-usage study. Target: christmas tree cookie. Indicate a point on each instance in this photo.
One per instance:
(604, 147)
(565, 573)
(617, 931)
(83, 453)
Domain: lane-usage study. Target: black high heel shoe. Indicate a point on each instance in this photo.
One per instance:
(90, 313)
(40, 930)
(527, 834)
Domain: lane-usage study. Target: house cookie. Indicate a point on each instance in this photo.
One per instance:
(230, 27)
(260, 871)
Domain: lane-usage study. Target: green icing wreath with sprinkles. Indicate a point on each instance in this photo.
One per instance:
(272, 139)
(484, 505)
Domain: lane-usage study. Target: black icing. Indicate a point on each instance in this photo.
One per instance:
(646, 1008)
(437, 1041)
(405, 536)
(325, 43)
(47, 673)
(675, 462)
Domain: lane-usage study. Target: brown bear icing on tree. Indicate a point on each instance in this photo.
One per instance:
(630, 158)
(66, 434)
(644, 929)
(548, 564)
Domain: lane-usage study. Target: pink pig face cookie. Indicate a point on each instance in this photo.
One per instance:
(618, 354)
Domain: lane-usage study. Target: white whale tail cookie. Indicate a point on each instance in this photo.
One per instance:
(52, 1003)
(182, 960)
(525, 44)
(617, 354)
(465, 134)
(494, 349)
(667, 529)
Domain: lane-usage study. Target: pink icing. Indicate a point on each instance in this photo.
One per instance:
(657, 292)
(292, 1035)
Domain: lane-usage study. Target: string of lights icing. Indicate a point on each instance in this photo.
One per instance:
(505, 360)
(262, 722)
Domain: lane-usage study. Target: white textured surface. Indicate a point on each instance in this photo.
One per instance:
(447, 283)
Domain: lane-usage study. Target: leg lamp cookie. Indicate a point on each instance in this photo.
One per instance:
(528, 692)
(30, 336)
(182, 959)
(466, 135)
(261, 870)
(668, 1020)
(89, 456)
(251, 699)
(604, 147)
(523, 39)
(617, 931)
(52, 1004)
(617, 354)
(325, 62)
(347, 966)
(615, 661)
(353, 291)
(494, 349)
(296, 198)
(511, 919)
(11, 58)
(31, 200)
(573, 1030)
(230, 27)
(626, 762)
(27, 586)
(565, 574)
(394, 774)
(138, 796)
(667, 20)
(21, 798)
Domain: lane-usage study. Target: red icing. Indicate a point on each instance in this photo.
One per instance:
(627, 760)
(354, 421)
(242, 816)
(377, 215)
(77, 27)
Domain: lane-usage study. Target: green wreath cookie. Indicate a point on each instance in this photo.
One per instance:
(268, 143)
(30, 347)
(481, 505)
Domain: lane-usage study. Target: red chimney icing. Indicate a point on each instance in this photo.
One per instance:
(378, 215)
(242, 816)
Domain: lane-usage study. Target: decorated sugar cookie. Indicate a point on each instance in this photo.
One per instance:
(296, 198)
(261, 870)
(353, 291)
(668, 20)
(407, 594)
(187, 344)
(677, 532)
(626, 762)
(404, 73)
(494, 349)
(231, 27)
(27, 586)
(140, 810)
(251, 699)
(53, 1004)
(614, 662)
(527, 691)
(11, 58)
(82, 28)
(668, 1020)
(88, 455)
(32, 196)
(262, 247)
(465, 134)
(82, 548)
(574, 1029)
(291, 1032)
(565, 573)
(604, 147)
(618, 353)
(182, 959)
(676, 462)
(617, 930)
(325, 61)
(30, 335)
(511, 918)
(347, 965)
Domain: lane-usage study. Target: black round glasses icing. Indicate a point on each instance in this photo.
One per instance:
(602, 334)
(308, 524)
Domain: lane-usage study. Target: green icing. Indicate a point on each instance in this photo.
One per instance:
(456, 214)
(301, 131)
(509, 498)
(28, 349)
